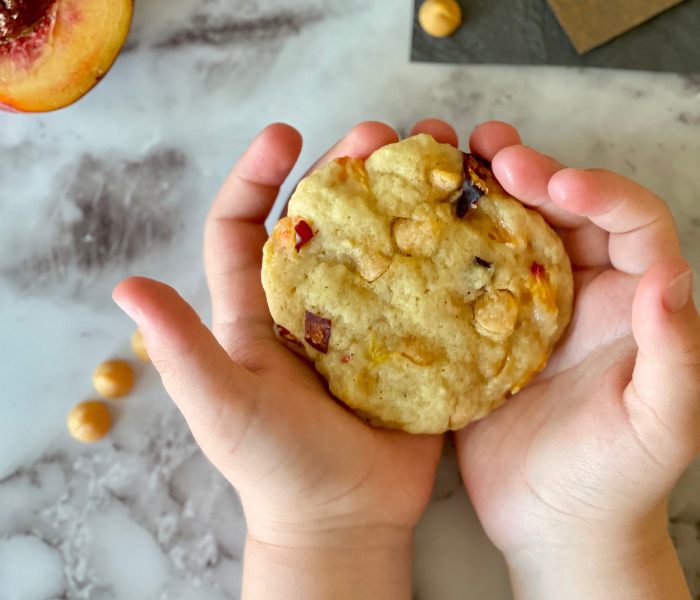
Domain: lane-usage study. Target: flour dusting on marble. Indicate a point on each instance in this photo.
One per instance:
(137, 523)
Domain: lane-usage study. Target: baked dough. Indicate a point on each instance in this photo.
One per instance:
(422, 291)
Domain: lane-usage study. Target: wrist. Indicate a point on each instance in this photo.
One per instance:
(635, 561)
(358, 562)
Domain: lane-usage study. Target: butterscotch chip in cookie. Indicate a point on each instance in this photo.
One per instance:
(422, 291)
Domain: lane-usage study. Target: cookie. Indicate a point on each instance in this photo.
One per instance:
(422, 291)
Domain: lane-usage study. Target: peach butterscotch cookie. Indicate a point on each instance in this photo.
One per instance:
(421, 290)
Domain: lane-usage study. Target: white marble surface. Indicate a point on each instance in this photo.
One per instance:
(141, 514)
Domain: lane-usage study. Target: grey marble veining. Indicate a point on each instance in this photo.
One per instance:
(120, 183)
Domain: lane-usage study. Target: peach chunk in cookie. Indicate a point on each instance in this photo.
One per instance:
(421, 290)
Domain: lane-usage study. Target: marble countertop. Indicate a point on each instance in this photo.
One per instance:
(120, 183)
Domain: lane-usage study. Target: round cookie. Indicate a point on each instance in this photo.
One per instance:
(422, 291)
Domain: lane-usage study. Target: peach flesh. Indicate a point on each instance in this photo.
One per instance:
(26, 48)
(20, 17)
(62, 55)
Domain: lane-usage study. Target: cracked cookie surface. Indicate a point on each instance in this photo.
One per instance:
(421, 290)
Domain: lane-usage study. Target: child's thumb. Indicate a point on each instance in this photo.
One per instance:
(214, 394)
(663, 400)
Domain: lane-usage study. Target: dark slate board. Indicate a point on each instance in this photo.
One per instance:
(525, 32)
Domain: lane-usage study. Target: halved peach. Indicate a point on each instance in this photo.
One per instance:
(52, 52)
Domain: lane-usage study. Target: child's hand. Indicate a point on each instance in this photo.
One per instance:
(331, 503)
(570, 477)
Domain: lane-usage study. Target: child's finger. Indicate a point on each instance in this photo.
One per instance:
(663, 400)
(360, 142)
(491, 137)
(211, 390)
(235, 233)
(525, 174)
(587, 245)
(251, 188)
(441, 131)
(641, 226)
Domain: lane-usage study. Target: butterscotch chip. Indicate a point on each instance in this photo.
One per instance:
(420, 315)
(440, 18)
(89, 421)
(139, 347)
(113, 379)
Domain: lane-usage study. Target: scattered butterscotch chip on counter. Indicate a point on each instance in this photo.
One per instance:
(89, 421)
(138, 346)
(440, 18)
(423, 292)
(113, 379)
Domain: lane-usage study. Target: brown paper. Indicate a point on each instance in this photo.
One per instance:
(591, 23)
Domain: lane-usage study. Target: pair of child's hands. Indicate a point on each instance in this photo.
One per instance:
(569, 478)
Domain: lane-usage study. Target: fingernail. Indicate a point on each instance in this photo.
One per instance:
(679, 292)
(134, 313)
